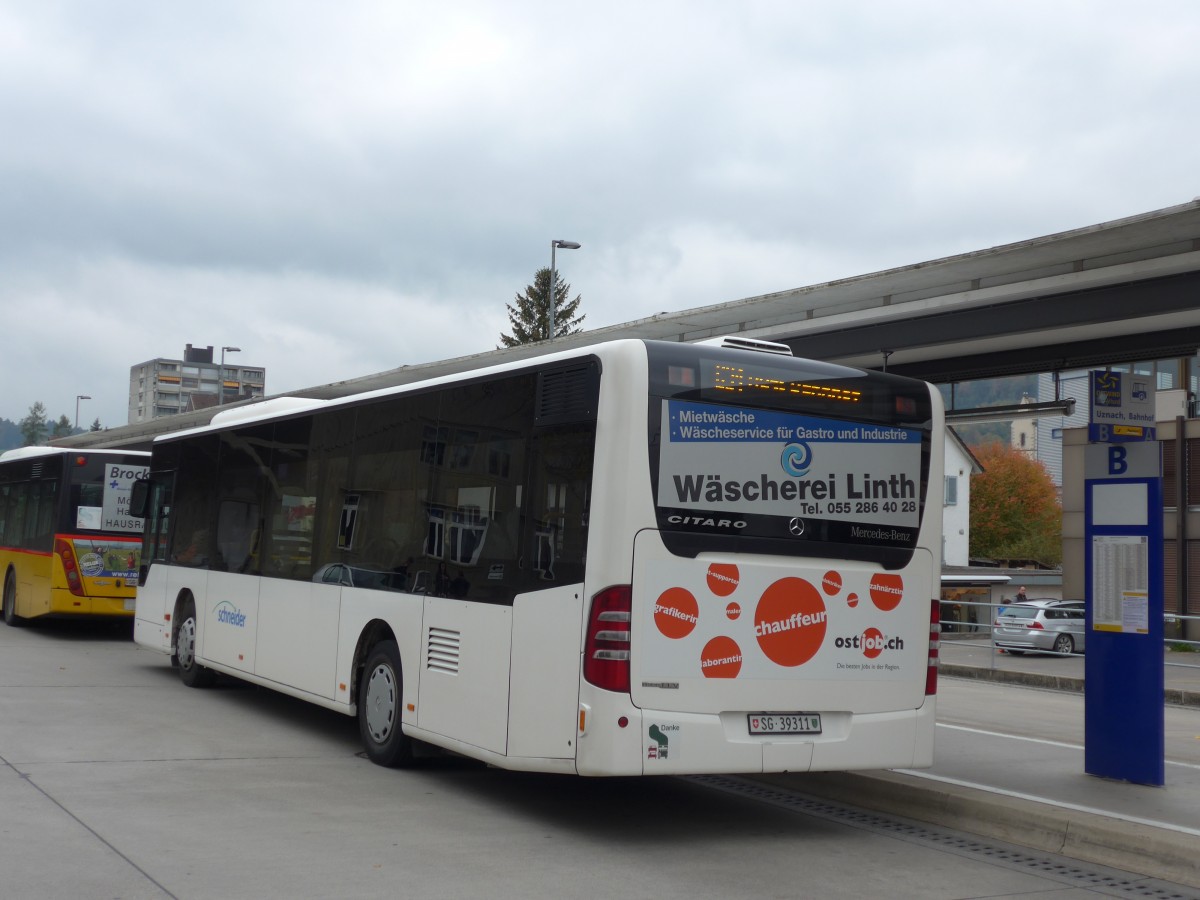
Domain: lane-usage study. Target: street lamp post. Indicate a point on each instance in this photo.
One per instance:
(221, 374)
(557, 244)
(79, 397)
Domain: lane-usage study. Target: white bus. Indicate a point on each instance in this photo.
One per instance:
(634, 558)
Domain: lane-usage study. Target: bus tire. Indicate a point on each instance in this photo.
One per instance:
(10, 602)
(191, 672)
(380, 694)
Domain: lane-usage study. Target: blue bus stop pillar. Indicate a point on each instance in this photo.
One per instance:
(1123, 709)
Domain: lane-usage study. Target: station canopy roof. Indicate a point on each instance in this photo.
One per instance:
(1115, 292)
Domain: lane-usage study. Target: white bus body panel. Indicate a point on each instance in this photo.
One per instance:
(464, 672)
(297, 620)
(544, 682)
(151, 628)
(227, 621)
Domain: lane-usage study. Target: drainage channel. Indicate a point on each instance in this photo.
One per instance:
(1073, 873)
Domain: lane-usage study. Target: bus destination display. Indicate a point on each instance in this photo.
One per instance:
(740, 460)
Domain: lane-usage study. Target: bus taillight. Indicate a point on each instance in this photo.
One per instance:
(66, 555)
(935, 636)
(606, 649)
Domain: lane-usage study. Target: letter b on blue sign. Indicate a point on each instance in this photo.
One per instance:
(1117, 464)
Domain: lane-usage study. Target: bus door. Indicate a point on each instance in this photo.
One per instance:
(151, 500)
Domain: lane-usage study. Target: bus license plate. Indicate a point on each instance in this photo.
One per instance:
(785, 723)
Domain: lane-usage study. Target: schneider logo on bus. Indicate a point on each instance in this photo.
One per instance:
(730, 460)
(229, 614)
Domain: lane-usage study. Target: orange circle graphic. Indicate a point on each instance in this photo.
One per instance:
(872, 643)
(733, 611)
(887, 591)
(831, 584)
(676, 613)
(790, 622)
(723, 579)
(721, 658)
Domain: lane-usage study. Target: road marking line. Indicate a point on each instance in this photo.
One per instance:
(1015, 737)
(1032, 740)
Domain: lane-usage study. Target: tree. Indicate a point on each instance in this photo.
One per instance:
(530, 317)
(96, 426)
(62, 428)
(35, 427)
(1015, 512)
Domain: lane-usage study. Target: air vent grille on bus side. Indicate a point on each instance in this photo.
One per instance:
(443, 649)
(568, 394)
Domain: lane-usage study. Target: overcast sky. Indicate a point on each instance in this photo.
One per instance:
(343, 188)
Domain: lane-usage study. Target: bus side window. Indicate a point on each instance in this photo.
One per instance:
(243, 475)
(473, 535)
(6, 495)
(560, 499)
(40, 519)
(237, 535)
(285, 543)
(190, 500)
(158, 537)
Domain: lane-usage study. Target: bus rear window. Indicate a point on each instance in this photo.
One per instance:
(788, 457)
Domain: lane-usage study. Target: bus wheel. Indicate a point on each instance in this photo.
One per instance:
(191, 672)
(10, 602)
(379, 697)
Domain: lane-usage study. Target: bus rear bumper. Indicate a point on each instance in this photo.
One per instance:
(668, 743)
(63, 603)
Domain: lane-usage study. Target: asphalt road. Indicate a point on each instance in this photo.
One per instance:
(117, 781)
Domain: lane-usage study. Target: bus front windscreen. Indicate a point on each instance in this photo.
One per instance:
(790, 457)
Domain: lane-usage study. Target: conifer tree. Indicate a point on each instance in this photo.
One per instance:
(530, 313)
(62, 428)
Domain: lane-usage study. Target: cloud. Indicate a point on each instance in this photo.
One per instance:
(341, 189)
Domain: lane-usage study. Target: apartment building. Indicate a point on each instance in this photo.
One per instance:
(167, 387)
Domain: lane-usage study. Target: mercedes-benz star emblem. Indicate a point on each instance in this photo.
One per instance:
(796, 527)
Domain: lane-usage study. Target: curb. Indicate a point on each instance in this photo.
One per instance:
(1029, 679)
(1173, 696)
(1135, 847)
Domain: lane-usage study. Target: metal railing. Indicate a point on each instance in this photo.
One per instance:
(973, 617)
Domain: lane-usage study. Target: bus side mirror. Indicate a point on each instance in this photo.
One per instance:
(139, 498)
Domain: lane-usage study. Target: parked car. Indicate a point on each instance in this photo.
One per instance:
(368, 576)
(1045, 626)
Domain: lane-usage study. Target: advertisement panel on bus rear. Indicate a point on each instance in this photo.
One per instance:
(733, 461)
(740, 621)
(108, 557)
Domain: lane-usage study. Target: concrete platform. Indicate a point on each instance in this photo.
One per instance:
(1034, 792)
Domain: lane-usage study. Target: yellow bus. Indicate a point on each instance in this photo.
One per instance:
(68, 545)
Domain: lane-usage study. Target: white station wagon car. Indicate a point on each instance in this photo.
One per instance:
(1041, 626)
